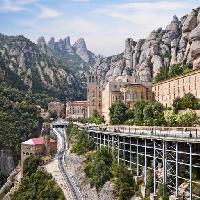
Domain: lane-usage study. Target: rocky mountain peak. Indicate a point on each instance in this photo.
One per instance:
(51, 42)
(178, 43)
(81, 49)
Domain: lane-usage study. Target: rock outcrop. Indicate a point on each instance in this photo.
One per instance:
(178, 43)
(63, 47)
(6, 163)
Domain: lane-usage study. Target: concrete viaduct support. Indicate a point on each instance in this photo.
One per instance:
(171, 161)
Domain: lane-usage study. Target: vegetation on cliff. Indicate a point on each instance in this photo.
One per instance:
(101, 166)
(37, 184)
(173, 71)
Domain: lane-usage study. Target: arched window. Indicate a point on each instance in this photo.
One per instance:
(89, 79)
(92, 79)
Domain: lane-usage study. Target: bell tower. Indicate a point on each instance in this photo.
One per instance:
(94, 94)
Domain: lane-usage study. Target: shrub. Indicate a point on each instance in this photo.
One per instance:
(118, 112)
(30, 165)
(98, 166)
(170, 117)
(153, 114)
(83, 144)
(187, 118)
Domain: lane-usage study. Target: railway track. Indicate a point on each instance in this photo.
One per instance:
(73, 189)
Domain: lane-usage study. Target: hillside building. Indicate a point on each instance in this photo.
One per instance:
(125, 88)
(76, 109)
(42, 146)
(94, 94)
(166, 91)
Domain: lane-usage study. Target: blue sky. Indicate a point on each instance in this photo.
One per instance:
(105, 24)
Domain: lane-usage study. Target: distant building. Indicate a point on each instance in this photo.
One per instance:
(127, 89)
(76, 109)
(42, 146)
(166, 91)
(94, 94)
(57, 107)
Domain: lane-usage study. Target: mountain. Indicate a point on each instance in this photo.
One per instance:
(35, 68)
(76, 57)
(178, 43)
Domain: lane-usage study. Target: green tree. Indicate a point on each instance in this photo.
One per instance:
(139, 108)
(162, 75)
(175, 70)
(153, 114)
(83, 144)
(39, 185)
(189, 101)
(97, 118)
(118, 111)
(170, 117)
(123, 179)
(187, 118)
(98, 166)
(177, 104)
(31, 164)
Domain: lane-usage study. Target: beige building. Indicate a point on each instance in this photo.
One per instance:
(76, 109)
(94, 94)
(125, 88)
(41, 146)
(166, 91)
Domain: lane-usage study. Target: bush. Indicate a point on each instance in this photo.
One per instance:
(139, 108)
(170, 117)
(118, 111)
(187, 101)
(39, 185)
(187, 118)
(30, 165)
(83, 144)
(96, 118)
(98, 166)
(123, 180)
(153, 114)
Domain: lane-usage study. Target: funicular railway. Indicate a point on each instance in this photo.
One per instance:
(173, 155)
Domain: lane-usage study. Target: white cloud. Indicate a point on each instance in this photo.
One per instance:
(49, 12)
(105, 28)
(10, 6)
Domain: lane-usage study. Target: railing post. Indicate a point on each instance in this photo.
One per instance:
(130, 148)
(145, 162)
(177, 169)
(137, 158)
(190, 171)
(118, 149)
(154, 168)
(124, 147)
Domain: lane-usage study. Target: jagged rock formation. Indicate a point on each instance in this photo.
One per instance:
(37, 67)
(79, 48)
(178, 43)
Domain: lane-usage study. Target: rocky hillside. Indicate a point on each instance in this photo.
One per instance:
(37, 69)
(178, 43)
(76, 57)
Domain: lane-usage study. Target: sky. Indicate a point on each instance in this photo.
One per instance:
(104, 24)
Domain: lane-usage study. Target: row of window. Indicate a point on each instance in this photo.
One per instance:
(182, 81)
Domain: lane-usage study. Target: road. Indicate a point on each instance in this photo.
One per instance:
(69, 182)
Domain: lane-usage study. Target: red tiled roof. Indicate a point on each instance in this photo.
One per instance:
(41, 140)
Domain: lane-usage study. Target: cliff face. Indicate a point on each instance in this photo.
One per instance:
(6, 163)
(178, 43)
